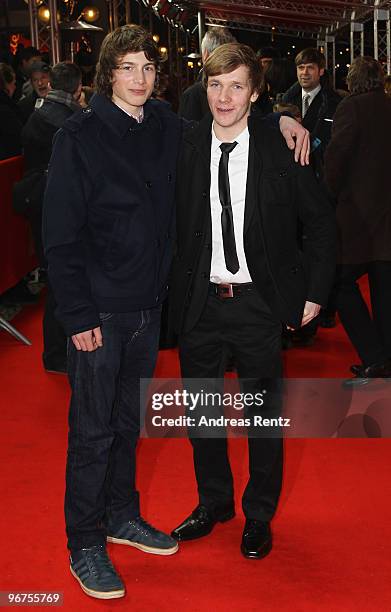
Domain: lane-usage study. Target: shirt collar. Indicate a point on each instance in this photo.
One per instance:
(312, 93)
(242, 141)
(139, 118)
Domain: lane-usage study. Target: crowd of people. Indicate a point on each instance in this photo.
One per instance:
(255, 245)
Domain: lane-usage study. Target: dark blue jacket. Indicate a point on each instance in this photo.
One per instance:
(108, 211)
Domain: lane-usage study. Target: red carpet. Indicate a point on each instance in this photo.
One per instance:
(332, 532)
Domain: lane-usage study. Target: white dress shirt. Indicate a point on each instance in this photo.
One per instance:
(237, 171)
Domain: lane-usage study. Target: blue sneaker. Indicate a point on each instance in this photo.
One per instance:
(95, 573)
(141, 535)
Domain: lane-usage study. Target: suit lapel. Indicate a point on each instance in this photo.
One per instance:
(200, 139)
(311, 115)
(254, 172)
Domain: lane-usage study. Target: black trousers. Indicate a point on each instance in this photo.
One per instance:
(370, 335)
(244, 327)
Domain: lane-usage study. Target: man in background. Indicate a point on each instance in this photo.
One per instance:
(37, 137)
(357, 171)
(266, 55)
(39, 79)
(313, 95)
(193, 104)
(318, 101)
(26, 56)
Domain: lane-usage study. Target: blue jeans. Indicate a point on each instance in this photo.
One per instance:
(104, 425)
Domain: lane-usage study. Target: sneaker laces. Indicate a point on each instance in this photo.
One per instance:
(98, 561)
(143, 526)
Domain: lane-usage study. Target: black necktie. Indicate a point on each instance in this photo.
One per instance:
(306, 104)
(227, 222)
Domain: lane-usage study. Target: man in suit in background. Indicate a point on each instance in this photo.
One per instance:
(313, 95)
(193, 104)
(318, 101)
(239, 276)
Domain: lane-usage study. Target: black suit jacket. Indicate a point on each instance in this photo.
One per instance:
(279, 193)
(193, 104)
(321, 109)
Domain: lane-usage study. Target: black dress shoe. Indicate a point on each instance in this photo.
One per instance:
(364, 374)
(256, 539)
(201, 522)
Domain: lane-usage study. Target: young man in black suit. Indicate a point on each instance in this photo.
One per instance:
(239, 276)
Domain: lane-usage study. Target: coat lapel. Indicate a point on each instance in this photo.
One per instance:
(311, 115)
(200, 137)
(254, 172)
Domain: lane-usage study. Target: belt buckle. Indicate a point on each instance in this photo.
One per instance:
(223, 294)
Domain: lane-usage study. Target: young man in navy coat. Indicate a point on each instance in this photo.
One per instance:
(108, 233)
(239, 276)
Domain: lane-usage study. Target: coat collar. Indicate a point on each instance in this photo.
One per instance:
(120, 121)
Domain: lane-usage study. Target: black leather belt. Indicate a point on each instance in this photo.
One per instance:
(230, 290)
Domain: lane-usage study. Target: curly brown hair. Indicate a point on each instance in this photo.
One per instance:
(365, 74)
(125, 39)
(230, 56)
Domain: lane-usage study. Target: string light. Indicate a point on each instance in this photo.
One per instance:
(90, 13)
(44, 14)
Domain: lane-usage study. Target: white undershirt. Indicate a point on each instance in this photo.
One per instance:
(237, 172)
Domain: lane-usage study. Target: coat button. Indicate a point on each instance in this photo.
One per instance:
(190, 271)
(198, 234)
(204, 194)
(207, 246)
(205, 275)
(283, 173)
(148, 184)
(294, 269)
